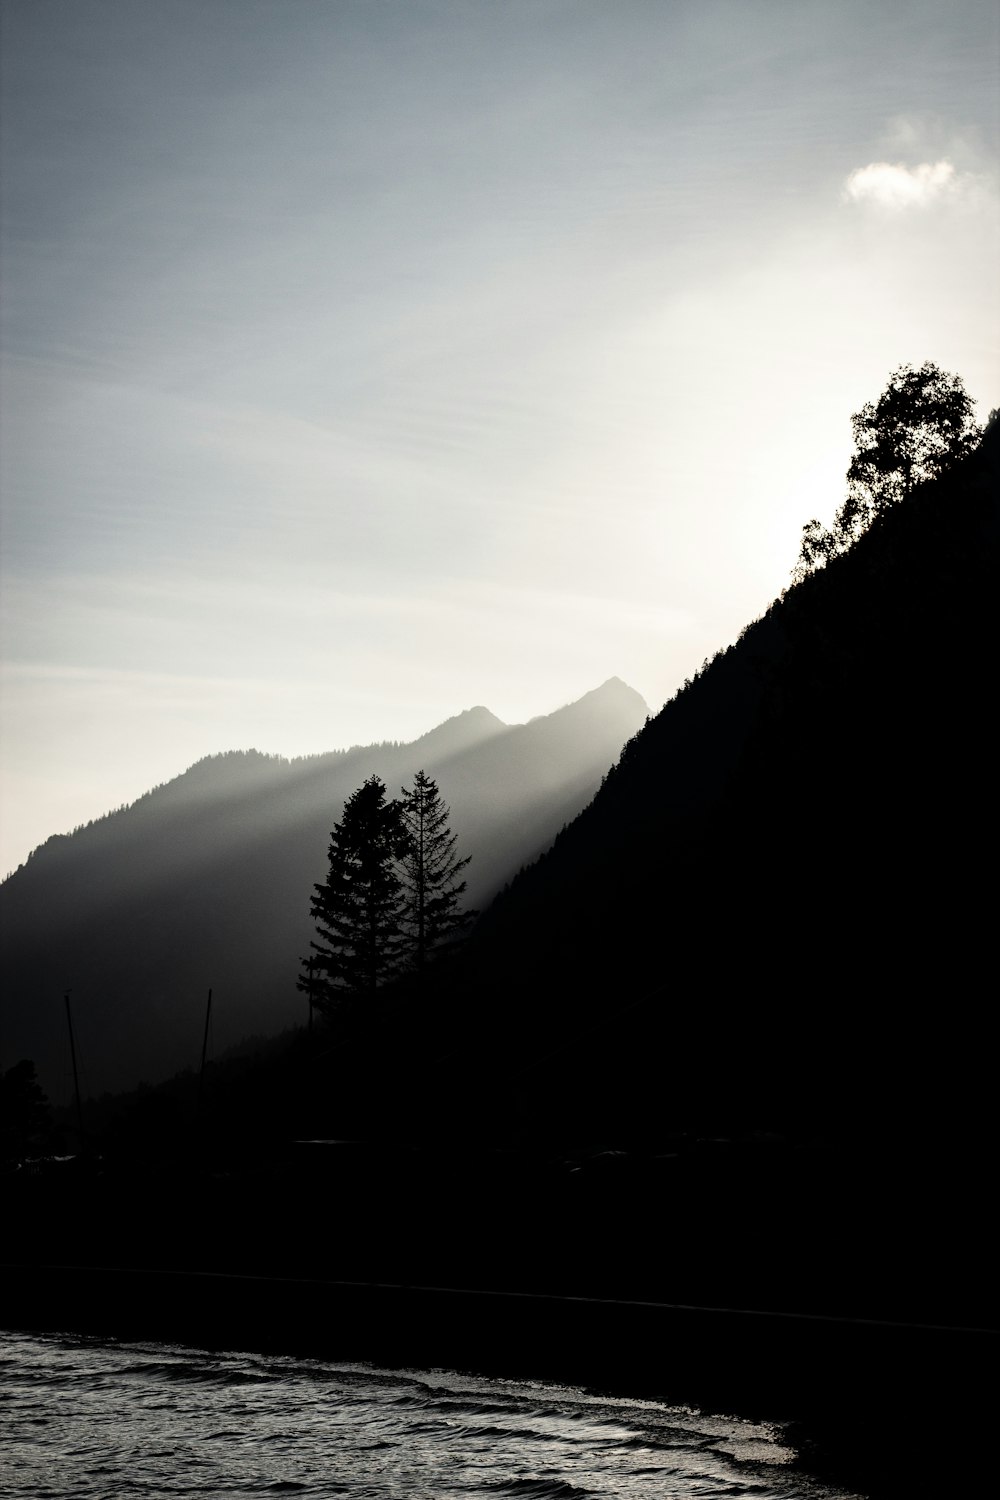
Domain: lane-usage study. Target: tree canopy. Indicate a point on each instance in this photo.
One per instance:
(921, 425)
(357, 908)
(25, 1115)
(392, 892)
(430, 870)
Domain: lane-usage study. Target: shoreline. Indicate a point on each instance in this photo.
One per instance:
(878, 1406)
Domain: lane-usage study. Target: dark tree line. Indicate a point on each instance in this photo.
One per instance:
(392, 894)
(25, 1114)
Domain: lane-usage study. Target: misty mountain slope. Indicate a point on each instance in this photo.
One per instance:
(206, 882)
(530, 782)
(779, 905)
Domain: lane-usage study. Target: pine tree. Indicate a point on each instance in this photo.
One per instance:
(359, 906)
(430, 871)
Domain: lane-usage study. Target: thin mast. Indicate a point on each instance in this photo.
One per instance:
(204, 1051)
(76, 1076)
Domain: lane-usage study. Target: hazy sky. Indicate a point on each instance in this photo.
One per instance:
(365, 360)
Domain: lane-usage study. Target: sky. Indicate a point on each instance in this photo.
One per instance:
(367, 360)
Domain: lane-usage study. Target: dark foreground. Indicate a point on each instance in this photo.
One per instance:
(886, 1409)
(776, 1279)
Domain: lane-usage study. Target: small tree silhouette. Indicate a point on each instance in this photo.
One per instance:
(430, 870)
(25, 1116)
(920, 426)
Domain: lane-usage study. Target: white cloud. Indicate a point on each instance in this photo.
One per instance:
(894, 186)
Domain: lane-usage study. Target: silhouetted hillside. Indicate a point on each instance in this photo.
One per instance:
(778, 909)
(206, 882)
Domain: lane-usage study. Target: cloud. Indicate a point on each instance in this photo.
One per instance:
(894, 186)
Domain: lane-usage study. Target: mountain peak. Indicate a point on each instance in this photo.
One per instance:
(461, 732)
(613, 696)
(617, 689)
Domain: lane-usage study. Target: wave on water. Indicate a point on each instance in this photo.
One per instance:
(537, 1489)
(98, 1419)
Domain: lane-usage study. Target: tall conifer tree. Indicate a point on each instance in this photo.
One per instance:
(358, 907)
(431, 871)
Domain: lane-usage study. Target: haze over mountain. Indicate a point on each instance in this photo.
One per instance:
(205, 882)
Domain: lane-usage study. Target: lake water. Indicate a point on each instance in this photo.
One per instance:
(83, 1417)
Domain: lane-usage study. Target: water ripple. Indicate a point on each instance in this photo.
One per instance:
(97, 1420)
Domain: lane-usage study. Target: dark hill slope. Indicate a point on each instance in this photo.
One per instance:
(206, 882)
(778, 909)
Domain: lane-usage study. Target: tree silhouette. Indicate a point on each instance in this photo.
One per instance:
(25, 1116)
(430, 870)
(358, 908)
(920, 426)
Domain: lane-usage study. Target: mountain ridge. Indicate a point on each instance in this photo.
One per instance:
(206, 879)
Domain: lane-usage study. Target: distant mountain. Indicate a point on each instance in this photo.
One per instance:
(205, 882)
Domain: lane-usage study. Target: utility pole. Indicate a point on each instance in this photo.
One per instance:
(76, 1076)
(204, 1053)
